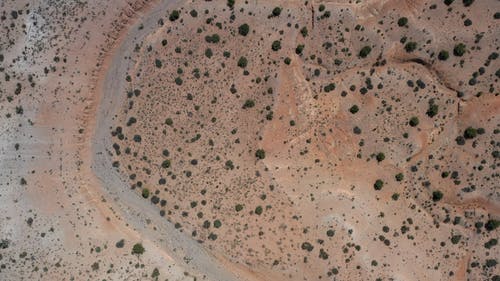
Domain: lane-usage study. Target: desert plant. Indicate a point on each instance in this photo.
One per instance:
(260, 153)
(138, 249)
(378, 184)
(459, 49)
(244, 29)
(365, 51)
(443, 55)
(242, 62)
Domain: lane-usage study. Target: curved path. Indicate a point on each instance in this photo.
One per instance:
(141, 214)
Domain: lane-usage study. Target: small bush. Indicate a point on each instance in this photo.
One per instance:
(249, 104)
(399, 177)
(365, 51)
(378, 184)
(145, 192)
(260, 153)
(410, 46)
(437, 195)
(174, 15)
(276, 46)
(242, 62)
(380, 156)
(459, 50)
(120, 244)
(299, 49)
(402, 21)
(470, 133)
(492, 224)
(138, 249)
(238, 207)
(258, 210)
(276, 11)
(354, 109)
(443, 55)
(244, 29)
(414, 121)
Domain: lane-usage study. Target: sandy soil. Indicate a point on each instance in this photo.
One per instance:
(334, 140)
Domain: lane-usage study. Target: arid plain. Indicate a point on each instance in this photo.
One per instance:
(249, 140)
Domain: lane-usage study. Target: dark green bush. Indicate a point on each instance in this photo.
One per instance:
(244, 29)
(365, 51)
(242, 62)
(443, 55)
(174, 15)
(402, 21)
(437, 195)
(378, 184)
(410, 46)
(459, 49)
(138, 249)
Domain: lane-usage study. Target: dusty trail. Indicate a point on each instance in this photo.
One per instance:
(141, 214)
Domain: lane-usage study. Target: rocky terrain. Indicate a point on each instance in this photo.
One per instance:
(249, 140)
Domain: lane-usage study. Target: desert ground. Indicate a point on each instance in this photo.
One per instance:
(249, 140)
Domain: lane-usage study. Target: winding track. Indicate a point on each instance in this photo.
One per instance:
(135, 210)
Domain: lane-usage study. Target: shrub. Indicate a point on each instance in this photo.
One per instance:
(414, 121)
(459, 50)
(467, 3)
(330, 233)
(492, 224)
(169, 121)
(299, 49)
(230, 3)
(178, 81)
(307, 246)
(214, 38)
(165, 164)
(330, 87)
(437, 195)
(304, 32)
(443, 55)
(145, 192)
(242, 62)
(380, 156)
(402, 21)
(410, 46)
(138, 249)
(354, 109)
(244, 29)
(249, 104)
(209, 53)
(260, 153)
(288, 61)
(395, 196)
(365, 51)
(120, 243)
(238, 207)
(217, 224)
(433, 109)
(378, 184)
(276, 46)
(470, 133)
(399, 177)
(193, 13)
(258, 210)
(158, 63)
(137, 138)
(455, 239)
(174, 15)
(276, 11)
(448, 2)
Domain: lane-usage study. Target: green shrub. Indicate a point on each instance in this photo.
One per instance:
(307, 246)
(299, 49)
(217, 224)
(145, 192)
(354, 109)
(470, 133)
(492, 224)
(288, 61)
(410, 46)
(276, 11)
(304, 32)
(242, 62)
(230, 3)
(365, 51)
(165, 164)
(437, 195)
(244, 29)
(120, 244)
(276, 46)
(249, 104)
(138, 249)
(238, 207)
(174, 15)
(169, 121)
(260, 153)
(399, 177)
(380, 156)
(467, 3)
(414, 121)
(330, 87)
(459, 50)
(433, 109)
(158, 63)
(443, 55)
(378, 184)
(258, 210)
(455, 239)
(402, 21)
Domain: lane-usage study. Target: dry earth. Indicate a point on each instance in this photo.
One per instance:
(249, 140)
